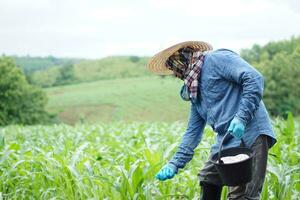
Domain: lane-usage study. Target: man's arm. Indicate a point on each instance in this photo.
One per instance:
(190, 140)
(232, 67)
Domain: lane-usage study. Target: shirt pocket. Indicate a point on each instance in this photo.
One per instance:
(216, 89)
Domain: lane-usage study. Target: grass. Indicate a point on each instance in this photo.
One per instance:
(120, 160)
(130, 99)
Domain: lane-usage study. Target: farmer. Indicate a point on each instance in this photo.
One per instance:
(225, 92)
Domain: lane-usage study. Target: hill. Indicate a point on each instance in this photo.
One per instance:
(126, 91)
(32, 64)
(111, 68)
(91, 70)
(126, 99)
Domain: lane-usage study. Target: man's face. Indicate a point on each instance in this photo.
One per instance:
(177, 65)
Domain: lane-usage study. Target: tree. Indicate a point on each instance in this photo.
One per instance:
(279, 62)
(20, 103)
(134, 59)
(253, 54)
(66, 75)
(282, 92)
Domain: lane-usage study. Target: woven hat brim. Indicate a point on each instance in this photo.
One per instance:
(157, 63)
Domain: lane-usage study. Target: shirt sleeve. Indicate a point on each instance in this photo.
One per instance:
(233, 68)
(190, 140)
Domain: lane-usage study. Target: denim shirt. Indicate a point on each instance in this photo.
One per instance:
(229, 87)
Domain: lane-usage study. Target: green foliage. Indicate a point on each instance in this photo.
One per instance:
(282, 83)
(20, 103)
(120, 160)
(262, 53)
(134, 59)
(279, 62)
(31, 64)
(47, 71)
(111, 68)
(66, 75)
(90, 70)
(45, 78)
(54, 76)
(283, 168)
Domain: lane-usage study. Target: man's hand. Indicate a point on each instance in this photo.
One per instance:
(167, 172)
(236, 128)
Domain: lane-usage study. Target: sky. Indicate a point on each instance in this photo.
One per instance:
(98, 28)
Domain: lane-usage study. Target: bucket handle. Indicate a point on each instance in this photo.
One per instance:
(221, 145)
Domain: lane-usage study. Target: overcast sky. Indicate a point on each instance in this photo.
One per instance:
(98, 28)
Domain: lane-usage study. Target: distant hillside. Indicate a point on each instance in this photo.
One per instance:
(127, 99)
(117, 97)
(31, 64)
(91, 70)
(111, 67)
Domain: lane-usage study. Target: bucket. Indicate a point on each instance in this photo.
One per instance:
(236, 173)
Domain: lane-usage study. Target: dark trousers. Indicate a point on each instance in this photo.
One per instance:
(209, 175)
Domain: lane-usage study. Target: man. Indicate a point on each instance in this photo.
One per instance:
(226, 93)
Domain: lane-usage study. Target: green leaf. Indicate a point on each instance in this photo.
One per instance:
(264, 194)
(2, 142)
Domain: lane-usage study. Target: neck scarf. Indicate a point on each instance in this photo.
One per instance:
(186, 65)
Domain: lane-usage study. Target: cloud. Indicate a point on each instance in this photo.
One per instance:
(294, 5)
(213, 8)
(96, 28)
(111, 13)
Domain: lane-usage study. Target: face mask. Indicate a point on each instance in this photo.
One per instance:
(184, 93)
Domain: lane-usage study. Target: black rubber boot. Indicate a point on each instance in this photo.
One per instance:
(210, 192)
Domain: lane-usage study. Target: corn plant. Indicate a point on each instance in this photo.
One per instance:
(120, 160)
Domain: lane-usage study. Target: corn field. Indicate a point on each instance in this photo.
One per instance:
(120, 160)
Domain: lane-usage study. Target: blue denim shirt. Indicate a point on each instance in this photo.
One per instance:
(229, 87)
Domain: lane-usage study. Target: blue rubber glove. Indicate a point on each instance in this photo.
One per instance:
(167, 172)
(236, 128)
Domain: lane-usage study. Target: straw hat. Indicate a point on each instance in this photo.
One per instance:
(157, 63)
